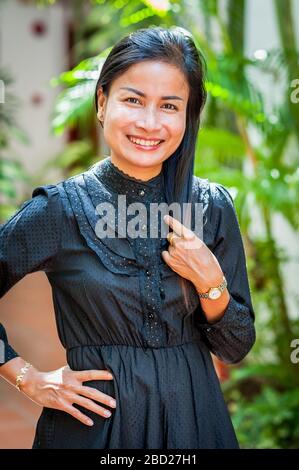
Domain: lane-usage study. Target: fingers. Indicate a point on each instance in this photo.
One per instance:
(85, 375)
(166, 256)
(172, 238)
(92, 406)
(174, 224)
(178, 227)
(77, 414)
(94, 394)
(71, 393)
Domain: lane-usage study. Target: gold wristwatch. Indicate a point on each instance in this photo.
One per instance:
(214, 292)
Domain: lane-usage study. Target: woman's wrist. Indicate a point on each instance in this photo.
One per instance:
(21, 375)
(202, 288)
(12, 368)
(215, 309)
(29, 380)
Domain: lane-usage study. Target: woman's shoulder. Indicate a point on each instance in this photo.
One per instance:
(46, 199)
(218, 208)
(43, 205)
(59, 194)
(212, 192)
(36, 224)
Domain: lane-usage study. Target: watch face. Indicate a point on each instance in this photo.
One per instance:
(214, 293)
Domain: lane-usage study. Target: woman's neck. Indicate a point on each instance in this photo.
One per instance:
(135, 171)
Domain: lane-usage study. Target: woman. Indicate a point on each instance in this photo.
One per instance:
(138, 315)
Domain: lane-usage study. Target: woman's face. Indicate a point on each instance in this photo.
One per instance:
(147, 102)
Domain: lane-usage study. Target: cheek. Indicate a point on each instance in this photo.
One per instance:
(118, 117)
(177, 127)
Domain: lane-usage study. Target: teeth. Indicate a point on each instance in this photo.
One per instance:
(148, 143)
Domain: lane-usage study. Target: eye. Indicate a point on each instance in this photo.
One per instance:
(174, 108)
(132, 98)
(170, 104)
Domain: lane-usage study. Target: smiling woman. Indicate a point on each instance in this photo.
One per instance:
(135, 340)
(150, 95)
(142, 132)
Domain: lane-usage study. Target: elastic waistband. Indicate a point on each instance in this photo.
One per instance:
(132, 345)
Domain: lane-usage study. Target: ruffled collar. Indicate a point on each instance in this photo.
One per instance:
(119, 182)
(103, 182)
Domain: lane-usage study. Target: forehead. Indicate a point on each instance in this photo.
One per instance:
(153, 78)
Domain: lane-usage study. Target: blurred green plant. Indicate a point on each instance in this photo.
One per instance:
(259, 138)
(248, 143)
(12, 171)
(271, 418)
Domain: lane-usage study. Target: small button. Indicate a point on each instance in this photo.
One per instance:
(151, 315)
(142, 192)
(148, 273)
(143, 227)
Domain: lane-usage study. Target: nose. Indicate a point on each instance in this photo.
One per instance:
(149, 120)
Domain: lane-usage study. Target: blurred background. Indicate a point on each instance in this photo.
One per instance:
(50, 56)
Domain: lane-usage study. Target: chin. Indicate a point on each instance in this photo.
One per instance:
(145, 160)
(136, 156)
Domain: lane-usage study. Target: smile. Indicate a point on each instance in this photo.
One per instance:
(150, 144)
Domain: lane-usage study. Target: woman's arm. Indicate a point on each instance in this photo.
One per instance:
(29, 242)
(232, 336)
(61, 388)
(11, 369)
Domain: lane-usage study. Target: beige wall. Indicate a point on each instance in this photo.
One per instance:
(27, 313)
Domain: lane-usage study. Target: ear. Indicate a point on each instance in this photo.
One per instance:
(101, 103)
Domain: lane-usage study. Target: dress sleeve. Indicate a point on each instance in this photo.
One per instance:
(29, 241)
(231, 337)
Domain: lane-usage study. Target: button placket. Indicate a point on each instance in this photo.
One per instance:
(153, 331)
(145, 249)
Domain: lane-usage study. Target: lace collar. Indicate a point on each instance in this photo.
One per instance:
(99, 184)
(119, 182)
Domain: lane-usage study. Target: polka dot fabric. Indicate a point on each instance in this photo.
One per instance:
(119, 307)
(29, 242)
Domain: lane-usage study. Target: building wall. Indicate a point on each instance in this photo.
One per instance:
(33, 60)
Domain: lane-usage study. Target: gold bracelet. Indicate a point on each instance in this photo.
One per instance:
(21, 375)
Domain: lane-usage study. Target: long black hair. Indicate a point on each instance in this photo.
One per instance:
(174, 46)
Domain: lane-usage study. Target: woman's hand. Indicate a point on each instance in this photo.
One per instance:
(61, 388)
(191, 258)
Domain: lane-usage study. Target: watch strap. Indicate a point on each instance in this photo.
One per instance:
(221, 287)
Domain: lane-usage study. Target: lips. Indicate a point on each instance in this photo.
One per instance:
(154, 142)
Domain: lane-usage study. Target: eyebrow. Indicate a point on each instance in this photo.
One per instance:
(140, 93)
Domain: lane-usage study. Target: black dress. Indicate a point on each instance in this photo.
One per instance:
(119, 307)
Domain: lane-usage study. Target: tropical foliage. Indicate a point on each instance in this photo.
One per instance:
(248, 142)
(11, 170)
